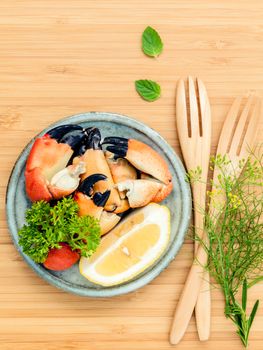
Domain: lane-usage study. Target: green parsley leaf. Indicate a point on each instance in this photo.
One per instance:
(34, 243)
(152, 44)
(83, 235)
(47, 226)
(149, 90)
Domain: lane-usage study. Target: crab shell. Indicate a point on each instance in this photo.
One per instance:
(121, 170)
(87, 206)
(141, 156)
(108, 221)
(164, 191)
(145, 159)
(139, 192)
(47, 176)
(95, 162)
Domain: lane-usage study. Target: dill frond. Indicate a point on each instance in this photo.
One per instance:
(235, 235)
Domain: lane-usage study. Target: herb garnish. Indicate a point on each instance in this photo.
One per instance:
(149, 90)
(47, 226)
(235, 237)
(152, 44)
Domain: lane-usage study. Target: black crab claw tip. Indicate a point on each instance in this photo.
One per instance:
(59, 131)
(86, 143)
(119, 151)
(115, 140)
(87, 130)
(119, 146)
(80, 150)
(100, 199)
(86, 185)
(74, 139)
(93, 140)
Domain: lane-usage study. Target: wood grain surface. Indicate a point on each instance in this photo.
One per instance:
(58, 58)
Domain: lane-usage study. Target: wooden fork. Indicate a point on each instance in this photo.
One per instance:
(194, 130)
(238, 136)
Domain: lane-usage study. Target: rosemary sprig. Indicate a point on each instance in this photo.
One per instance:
(235, 236)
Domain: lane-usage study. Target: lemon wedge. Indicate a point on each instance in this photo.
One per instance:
(131, 247)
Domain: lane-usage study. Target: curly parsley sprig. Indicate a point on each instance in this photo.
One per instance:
(47, 226)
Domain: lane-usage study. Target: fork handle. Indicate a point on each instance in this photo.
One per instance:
(203, 303)
(203, 309)
(188, 297)
(199, 200)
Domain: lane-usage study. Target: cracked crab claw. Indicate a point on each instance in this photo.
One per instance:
(141, 156)
(66, 180)
(108, 221)
(124, 205)
(92, 203)
(145, 159)
(95, 163)
(164, 191)
(48, 156)
(121, 170)
(139, 192)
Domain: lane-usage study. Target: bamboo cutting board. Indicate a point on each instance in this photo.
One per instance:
(59, 58)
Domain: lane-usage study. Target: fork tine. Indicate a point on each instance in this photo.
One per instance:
(240, 127)
(194, 119)
(252, 129)
(228, 126)
(181, 110)
(204, 109)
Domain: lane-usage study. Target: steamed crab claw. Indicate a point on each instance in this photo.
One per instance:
(141, 156)
(48, 156)
(95, 162)
(66, 180)
(124, 205)
(121, 169)
(145, 159)
(164, 191)
(108, 221)
(139, 192)
(92, 204)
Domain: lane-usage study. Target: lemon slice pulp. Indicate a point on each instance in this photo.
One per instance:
(131, 247)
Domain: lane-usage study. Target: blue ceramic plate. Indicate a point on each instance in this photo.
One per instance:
(179, 203)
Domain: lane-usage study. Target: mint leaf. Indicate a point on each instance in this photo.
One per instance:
(149, 90)
(152, 44)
